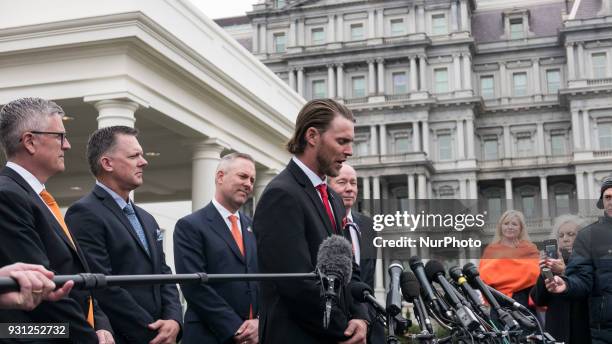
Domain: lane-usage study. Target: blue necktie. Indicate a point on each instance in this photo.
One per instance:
(131, 215)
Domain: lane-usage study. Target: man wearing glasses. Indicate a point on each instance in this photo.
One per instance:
(33, 229)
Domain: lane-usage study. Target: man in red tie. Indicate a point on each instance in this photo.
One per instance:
(295, 214)
(33, 229)
(218, 239)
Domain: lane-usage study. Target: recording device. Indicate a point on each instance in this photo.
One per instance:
(550, 248)
(432, 300)
(411, 290)
(363, 293)
(547, 273)
(457, 275)
(334, 265)
(394, 297)
(517, 314)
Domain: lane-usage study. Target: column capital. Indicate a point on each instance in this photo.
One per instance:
(535, 60)
(380, 60)
(299, 69)
(570, 44)
(456, 55)
(330, 65)
(370, 61)
(422, 57)
(113, 112)
(210, 148)
(339, 65)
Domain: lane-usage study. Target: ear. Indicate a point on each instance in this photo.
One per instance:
(27, 140)
(312, 136)
(219, 177)
(106, 163)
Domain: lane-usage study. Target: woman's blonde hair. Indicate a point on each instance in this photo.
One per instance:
(523, 235)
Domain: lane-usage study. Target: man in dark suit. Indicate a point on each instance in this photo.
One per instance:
(32, 227)
(120, 238)
(295, 214)
(218, 239)
(358, 228)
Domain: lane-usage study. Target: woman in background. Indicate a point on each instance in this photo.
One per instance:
(510, 262)
(567, 320)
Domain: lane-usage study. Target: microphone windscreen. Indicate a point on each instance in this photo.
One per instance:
(414, 261)
(410, 285)
(455, 273)
(432, 268)
(335, 257)
(470, 270)
(357, 289)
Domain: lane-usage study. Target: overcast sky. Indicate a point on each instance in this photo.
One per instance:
(221, 9)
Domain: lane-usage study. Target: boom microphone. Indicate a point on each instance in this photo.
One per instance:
(394, 298)
(411, 290)
(417, 267)
(524, 321)
(457, 275)
(334, 265)
(363, 293)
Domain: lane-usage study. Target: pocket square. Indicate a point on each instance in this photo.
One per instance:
(159, 234)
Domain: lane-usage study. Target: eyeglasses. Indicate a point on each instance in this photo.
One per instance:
(58, 134)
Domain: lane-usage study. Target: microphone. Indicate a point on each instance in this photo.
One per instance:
(457, 276)
(334, 265)
(417, 267)
(394, 298)
(411, 290)
(363, 293)
(435, 272)
(524, 321)
(471, 272)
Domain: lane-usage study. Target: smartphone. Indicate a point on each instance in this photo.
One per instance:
(547, 273)
(550, 248)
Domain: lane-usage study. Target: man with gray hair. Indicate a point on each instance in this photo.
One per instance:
(218, 239)
(33, 229)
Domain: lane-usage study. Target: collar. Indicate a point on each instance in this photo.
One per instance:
(34, 183)
(118, 199)
(350, 215)
(313, 177)
(224, 212)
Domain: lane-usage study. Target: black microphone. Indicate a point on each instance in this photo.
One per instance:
(363, 293)
(334, 265)
(417, 267)
(411, 290)
(471, 272)
(524, 321)
(457, 275)
(394, 297)
(435, 273)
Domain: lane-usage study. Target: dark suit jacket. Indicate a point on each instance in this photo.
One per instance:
(203, 243)
(112, 247)
(290, 223)
(31, 234)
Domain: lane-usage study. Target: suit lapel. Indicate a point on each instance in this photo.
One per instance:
(110, 204)
(217, 223)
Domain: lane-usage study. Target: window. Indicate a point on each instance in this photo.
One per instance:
(357, 32)
(494, 208)
(446, 192)
(523, 145)
(358, 86)
(557, 144)
(397, 27)
(605, 136)
(280, 3)
(362, 148)
(520, 84)
(562, 202)
(516, 29)
(599, 62)
(487, 90)
(441, 80)
(399, 83)
(402, 143)
(318, 89)
(445, 151)
(318, 36)
(279, 42)
(528, 205)
(439, 25)
(553, 81)
(490, 149)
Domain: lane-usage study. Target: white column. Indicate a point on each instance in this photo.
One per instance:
(457, 73)
(371, 78)
(460, 140)
(544, 196)
(421, 18)
(508, 186)
(255, 38)
(467, 72)
(416, 138)
(507, 143)
(383, 139)
(300, 81)
(422, 186)
(576, 129)
(292, 33)
(340, 32)
(331, 82)
(116, 112)
(469, 123)
(340, 79)
(292, 83)
(503, 78)
(591, 186)
(331, 28)
(373, 140)
(263, 47)
(366, 188)
(581, 72)
(413, 74)
(371, 24)
(540, 134)
(411, 189)
(300, 32)
(379, 23)
(463, 188)
(206, 156)
(465, 21)
(473, 188)
(423, 72)
(379, 288)
(376, 187)
(580, 189)
(569, 50)
(412, 27)
(381, 76)
(453, 16)
(587, 129)
(425, 126)
(262, 178)
(537, 89)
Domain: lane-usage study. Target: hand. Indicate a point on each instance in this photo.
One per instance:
(105, 337)
(556, 265)
(555, 285)
(357, 331)
(35, 285)
(247, 333)
(167, 330)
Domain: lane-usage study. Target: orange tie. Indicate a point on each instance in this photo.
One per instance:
(52, 204)
(238, 238)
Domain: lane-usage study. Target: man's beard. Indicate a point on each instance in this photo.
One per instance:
(325, 167)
